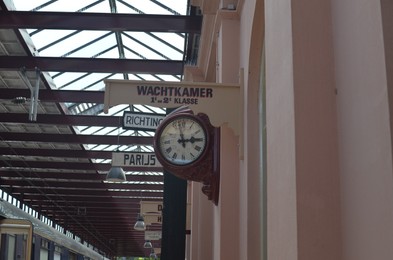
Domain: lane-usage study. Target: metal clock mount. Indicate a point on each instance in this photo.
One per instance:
(187, 146)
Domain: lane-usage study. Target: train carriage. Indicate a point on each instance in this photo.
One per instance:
(24, 237)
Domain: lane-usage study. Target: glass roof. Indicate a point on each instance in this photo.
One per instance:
(107, 44)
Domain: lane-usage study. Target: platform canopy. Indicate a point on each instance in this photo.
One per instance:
(56, 143)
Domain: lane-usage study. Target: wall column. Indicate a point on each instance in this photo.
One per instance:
(227, 214)
(363, 61)
(303, 189)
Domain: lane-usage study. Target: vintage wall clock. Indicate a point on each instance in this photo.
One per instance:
(187, 146)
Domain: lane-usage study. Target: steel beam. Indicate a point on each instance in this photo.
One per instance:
(66, 96)
(77, 139)
(76, 176)
(35, 199)
(54, 119)
(68, 153)
(100, 21)
(72, 166)
(87, 195)
(81, 188)
(100, 65)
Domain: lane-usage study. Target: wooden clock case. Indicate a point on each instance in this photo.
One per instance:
(206, 169)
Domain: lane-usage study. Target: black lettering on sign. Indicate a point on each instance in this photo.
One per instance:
(190, 94)
(139, 159)
(186, 101)
(142, 121)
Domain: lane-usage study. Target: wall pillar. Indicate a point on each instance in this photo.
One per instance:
(363, 62)
(227, 214)
(303, 192)
(201, 224)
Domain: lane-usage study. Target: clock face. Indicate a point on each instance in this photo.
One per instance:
(182, 140)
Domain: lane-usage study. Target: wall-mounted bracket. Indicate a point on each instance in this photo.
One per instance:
(222, 102)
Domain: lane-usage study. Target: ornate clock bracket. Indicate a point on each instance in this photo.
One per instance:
(211, 187)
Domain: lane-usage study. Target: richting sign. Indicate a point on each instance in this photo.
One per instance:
(141, 121)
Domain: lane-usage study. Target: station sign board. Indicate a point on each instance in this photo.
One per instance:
(221, 102)
(153, 235)
(152, 219)
(127, 159)
(141, 121)
(151, 207)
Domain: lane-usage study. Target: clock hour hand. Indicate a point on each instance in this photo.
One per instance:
(193, 140)
(182, 140)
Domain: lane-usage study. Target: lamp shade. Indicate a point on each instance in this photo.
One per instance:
(147, 244)
(153, 254)
(140, 224)
(116, 174)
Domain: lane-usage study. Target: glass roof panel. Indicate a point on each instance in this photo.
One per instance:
(152, 7)
(105, 44)
(61, 5)
(155, 46)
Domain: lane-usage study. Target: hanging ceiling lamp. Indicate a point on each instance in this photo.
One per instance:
(140, 223)
(147, 244)
(153, 254)
(116, 173)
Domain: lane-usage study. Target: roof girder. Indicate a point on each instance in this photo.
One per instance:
(47, 95)
(100, 65)
(100, 21)
(77, 139)
(73, 166)
(55, 119)
(77, 176)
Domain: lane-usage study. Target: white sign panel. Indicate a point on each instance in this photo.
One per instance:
(153, 235)
(152, 219)
(221, 102)
(141, 121)
(123, 159)
(151, 207)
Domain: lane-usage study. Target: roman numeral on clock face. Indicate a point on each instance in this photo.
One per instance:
(182, 140)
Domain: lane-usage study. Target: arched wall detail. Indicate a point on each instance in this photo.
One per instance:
(254, 134)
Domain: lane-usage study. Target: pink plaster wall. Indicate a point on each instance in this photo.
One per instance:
(303, 177)
(387, 21)
(364, 130)
(252, 244)
(227, 214)
(281, 159)
(317, 175)
(202, 224)
(329, 146)
(234, 228)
